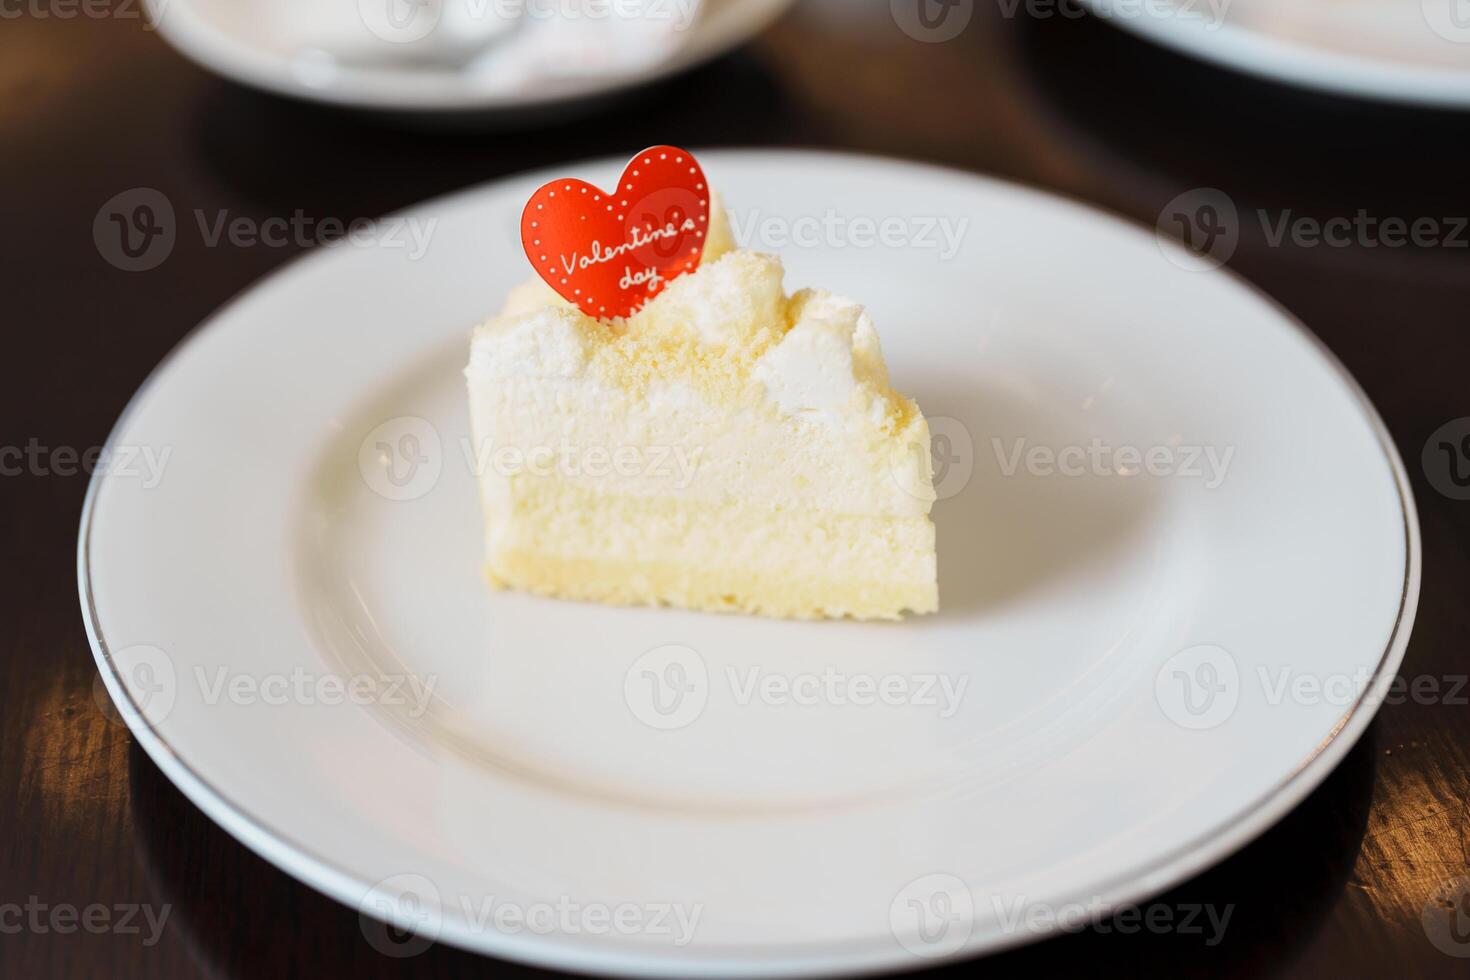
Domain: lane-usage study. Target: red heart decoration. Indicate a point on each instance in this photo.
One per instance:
(611, 253)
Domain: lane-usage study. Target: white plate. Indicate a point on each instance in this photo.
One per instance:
(271, 44)
(1400, 50)
(1077, 610)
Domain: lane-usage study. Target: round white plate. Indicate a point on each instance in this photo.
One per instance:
(1400, 50)
(1138, 666)
(369, 54)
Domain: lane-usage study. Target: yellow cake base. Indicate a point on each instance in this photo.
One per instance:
(567, 541)
(625, 583)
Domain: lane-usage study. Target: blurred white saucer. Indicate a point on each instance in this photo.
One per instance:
(1415, 51)
(460, 56)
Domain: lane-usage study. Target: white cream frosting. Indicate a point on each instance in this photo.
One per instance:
(814, 423)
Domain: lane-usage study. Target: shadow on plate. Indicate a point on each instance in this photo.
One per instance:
(1004, 533)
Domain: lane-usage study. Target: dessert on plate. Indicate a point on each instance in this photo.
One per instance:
(725, 446)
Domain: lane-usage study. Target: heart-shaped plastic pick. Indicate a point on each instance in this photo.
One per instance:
(609, 253)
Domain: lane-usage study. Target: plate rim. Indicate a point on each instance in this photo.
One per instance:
(1288, 62)
(1181, 863)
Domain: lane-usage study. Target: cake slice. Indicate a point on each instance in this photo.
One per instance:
(726, 447)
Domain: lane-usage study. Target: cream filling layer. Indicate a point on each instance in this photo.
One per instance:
(680, 448)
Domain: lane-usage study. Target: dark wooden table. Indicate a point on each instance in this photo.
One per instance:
(94, 105)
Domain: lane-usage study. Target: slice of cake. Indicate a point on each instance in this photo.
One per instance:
(726, 447)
